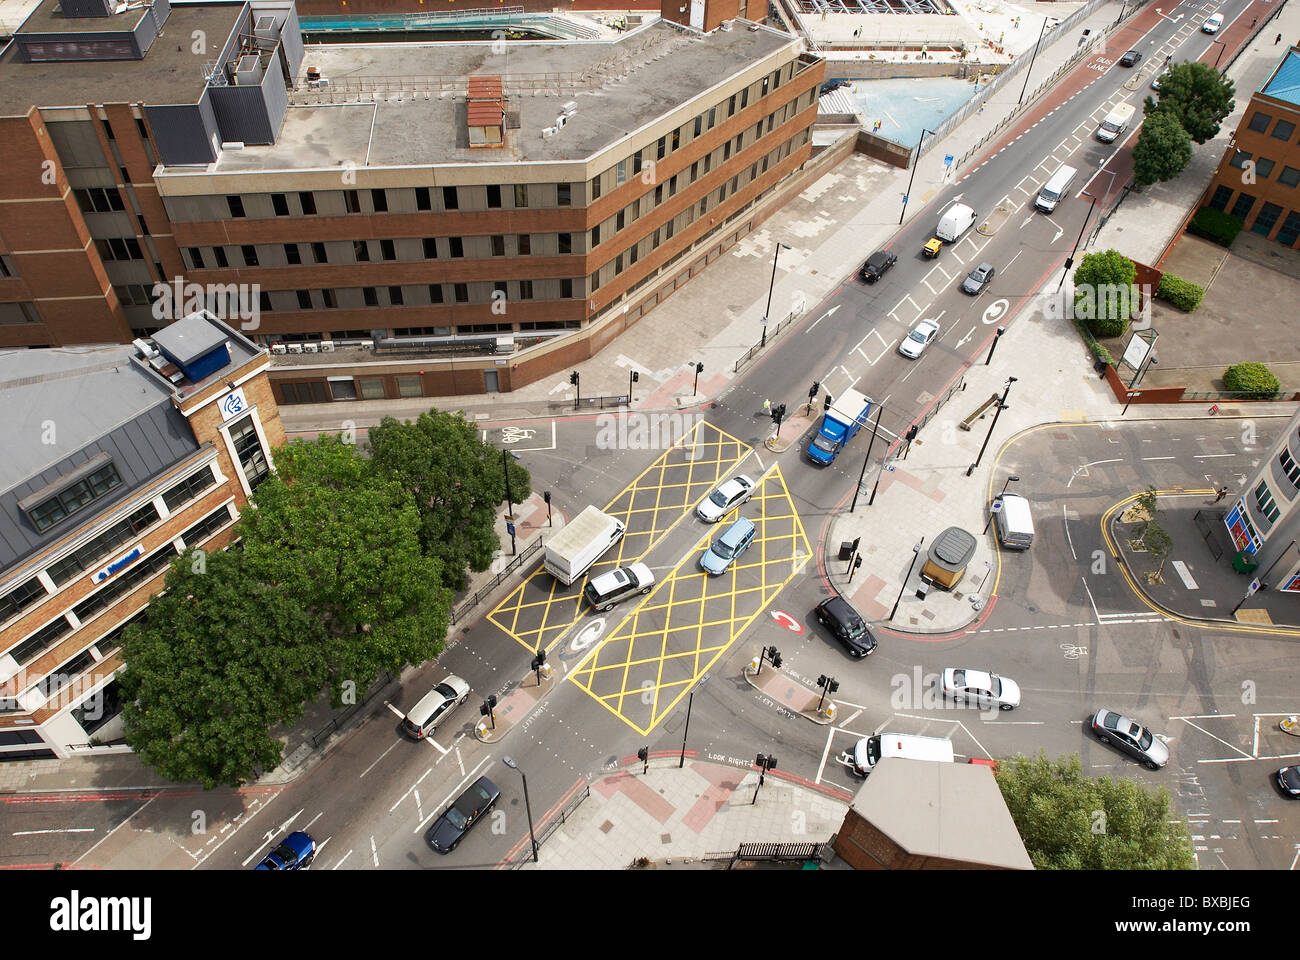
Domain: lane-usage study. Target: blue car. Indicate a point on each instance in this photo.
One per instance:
(294, 852)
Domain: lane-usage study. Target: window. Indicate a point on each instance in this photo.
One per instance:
(595, 187)
(1223, 194)
(499, 287)
(141, 129)
(303, 393)
(1259, 122)
(250, 254)
(525, 289)
(133, 294)
(318, 253)
(695, 171)
(766, 81)
(248, 449)
(1264, 500)
(462, 292)
(280, 204)
(1263, 167)
(220, 254)
(672, 186)
(449, 199)
(713, 116)
(125, 582)
(744, 98)
(776, 79)
(370, 295)
(618, 221)
(422, 199)
(304, 300)
(409, 387)
(636, 162)
(351, 201)
(620, 172)
(668, 229)
(659, 194)
(618, 264)
(236, 206)
(524, 244)
(308, 201)
(1289, 177)
(41, 640)
(1239, 159)
(74, 497)
(731, 107)
(20, 598)
(677, 138)
(7, 267)
(435, 293)
(1242, 207)
(498, 245)
(379, 200)
(661, 147)
(292, 255)
(206, 527)
(92, 554)
(699, 125)
(395, 296)
(521, 194)
(632, 254)
(127, 248)
(430, 248)
(566, 243)
(457, 246)
(264, 299)
(99, 199)
(566, 288)
(1290, 230)
(1267, 219)
(1289, 467)
(595, 236)
(387, 250)
(563, 194)
(493, 196)
(327, 297)
(1283, 130)
(726, 150)
(369, 390)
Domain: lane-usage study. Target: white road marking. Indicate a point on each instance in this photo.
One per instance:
(374, 851)
(438, 746)
(825, 752)
(1091, 601)
(1065, 517)
(1211, 456)
(341, 862)
(385, 753)
(32, 833)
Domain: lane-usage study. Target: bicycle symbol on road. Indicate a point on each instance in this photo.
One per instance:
(515, 434)
(1072, 652)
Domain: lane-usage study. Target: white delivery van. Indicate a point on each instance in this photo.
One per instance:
(1014, 522)
(1115, 123)
(957, 220)
(870, 750)
(572, 551)
(1055, 188)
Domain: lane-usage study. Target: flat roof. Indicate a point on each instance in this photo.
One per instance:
(45, 19)
(169, 73)
(666, 67)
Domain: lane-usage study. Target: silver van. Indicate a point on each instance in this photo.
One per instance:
(1055, 188)
(1014, 522)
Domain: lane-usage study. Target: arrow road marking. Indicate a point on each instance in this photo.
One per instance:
(823, 317)
(966, 338)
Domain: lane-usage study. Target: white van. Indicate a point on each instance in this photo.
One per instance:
(956, 221)
(870, 750)
(1014, 522)
(1115, 123)
(1055, 188)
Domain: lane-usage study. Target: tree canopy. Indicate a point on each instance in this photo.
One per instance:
(1196, 96)
(1162, 151)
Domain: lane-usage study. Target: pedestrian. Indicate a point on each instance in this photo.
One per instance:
(981, 26)
(767, 406)
(1253, 22)
(1017, 23)
(1168, 60)
(824, 14)
(1277, 39)
(925, 52)
(1223, 492)
(1000, 36)
(981, 109)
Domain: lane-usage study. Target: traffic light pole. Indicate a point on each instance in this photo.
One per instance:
(867, 459)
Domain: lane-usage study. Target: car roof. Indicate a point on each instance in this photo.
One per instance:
(978, 678)
(609, 580)
(840, 608)
(880, 256)
(478, 793)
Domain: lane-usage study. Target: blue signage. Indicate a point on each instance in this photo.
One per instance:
(117, 565)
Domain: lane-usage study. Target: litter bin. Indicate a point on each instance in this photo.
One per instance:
(1243, 562)
(846, 549)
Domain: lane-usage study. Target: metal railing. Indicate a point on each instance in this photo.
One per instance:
(772, 334)
(771, 851)
(956, 388)
(618, 400)
(323, 734)
(543, 831)
(458, 612)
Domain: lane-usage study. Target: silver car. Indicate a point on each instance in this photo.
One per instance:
(918, 338)
(978, 279)
(726, 498)
(980, 688)
(1131, 737)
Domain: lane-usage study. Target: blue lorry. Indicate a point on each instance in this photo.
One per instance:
(847, 415)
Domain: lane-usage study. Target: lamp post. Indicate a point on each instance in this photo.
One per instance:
(1222, 46)
(699, 368)
(867, 458)
(1001, 404)
(690, 701)
(1069, 261)
(510, 501)
(1029, 69)
(527, 806)
(632, 377)
(994, 345)
(916, 552)
(775, 255)
(999, 497)
(912, 178)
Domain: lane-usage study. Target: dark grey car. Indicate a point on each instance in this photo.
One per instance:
(877, 264)
(978, 279)
(1131, 737)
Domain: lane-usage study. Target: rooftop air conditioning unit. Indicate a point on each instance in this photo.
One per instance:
(569, 109)
(248, 70)
(505, 344)
(278, 348)
(145, 349)
(327, 346)
(560, 121)
(311, 347)
(548, 132)
(367, 344)
(753, 28)
(725, 25)
(232, 145)
(295, 348)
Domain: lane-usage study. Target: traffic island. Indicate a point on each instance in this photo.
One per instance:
(788, 695)
(790, 433)
(515, 707)
(993, 222)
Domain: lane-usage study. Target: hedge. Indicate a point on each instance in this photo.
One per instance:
(1215, 225)
(1183, 294)
(1255, 380)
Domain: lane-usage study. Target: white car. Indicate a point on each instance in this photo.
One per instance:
(1212, 24)
(918, 338)
(1155, 81)
(980, 688)
(726, 498)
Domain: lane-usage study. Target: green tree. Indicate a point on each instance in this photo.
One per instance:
(1195, 95)
(1162, 151)
(1105, 294)
(219, 661)
(458, 482)
(1071, 822)
(342, 540)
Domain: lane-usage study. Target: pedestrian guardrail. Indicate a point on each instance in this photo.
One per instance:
(458, 612)
(618, 400)
(772, 334)
(543, 831)
(324, 733)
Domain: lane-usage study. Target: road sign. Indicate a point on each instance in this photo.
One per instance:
(510, 528)
(947, 159)
(1253, 588)
(996, 506)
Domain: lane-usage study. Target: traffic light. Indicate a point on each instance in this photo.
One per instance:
(814, 390)
(573, 378)
(911, 433)
(774, 655)
(636, 376)
(699, 368)
(644, 756)
(826, 403)
(546, 496)
(778, 414)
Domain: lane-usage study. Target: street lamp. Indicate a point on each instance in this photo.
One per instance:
(867, 459)
(1222, 46)
(510, 501)
(912, 178)
(916, 552)
(1069, 261)
(527, 806)
(699, 368)
(997, 413)
(775, 255)
(994, 345)
(999, 497)
(632, 377)
(1029, 68)
(690, 702)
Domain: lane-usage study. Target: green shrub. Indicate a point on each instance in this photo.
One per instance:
(1215, 225)
(1107, 326)
(1101, 353)
(1183, 294)
(1254, 380)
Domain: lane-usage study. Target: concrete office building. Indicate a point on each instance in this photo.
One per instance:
(1265, 520)
(1258, 180)
(117, 459)
(441, 218)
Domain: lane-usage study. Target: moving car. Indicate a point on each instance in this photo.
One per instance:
(294, 852)
(465, 811)
(918, 338)
(609, 588)
(978, 279)
(1130, 59)
(1288, 778)
(1212, 23)
(932, 248)
(1155, 81)
(844, 623)
(877, 264)
(980, 688)
(422, 718)
(734, 541)
(1130, 736)
(725, 498)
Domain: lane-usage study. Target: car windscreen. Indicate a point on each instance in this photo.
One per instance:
(916, 335)
(1049, 196)
(720, 497)
(825, 443)
(1145, 740)
(722, 549)
(457, 819)
(446, 691)
(995, 685)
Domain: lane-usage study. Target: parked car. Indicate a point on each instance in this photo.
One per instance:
(918, 338)
(465, 811)
(725, 498)
(734, 541)
(877, 264)
(846, 626)
(978, 279)
(980, 688)
(1212, 23)
(421, 720)
(616, 585)
(1130, 59)
(1155, 81)
(1288, 778)
(1131, 737)
(294, 852)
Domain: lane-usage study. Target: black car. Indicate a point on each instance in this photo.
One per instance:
(468, 809)
(1288, 778)
(1130, 59)
(844, 623)
(877, 264)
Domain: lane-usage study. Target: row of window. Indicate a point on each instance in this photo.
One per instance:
(1282, 130)
(406, 249)
(1289, 177)
(73, 498)
(1265, 220)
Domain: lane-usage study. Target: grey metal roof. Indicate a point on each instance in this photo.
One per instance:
(952, 549)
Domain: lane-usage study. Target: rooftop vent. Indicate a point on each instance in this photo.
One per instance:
(248, 71)
(485, 114)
